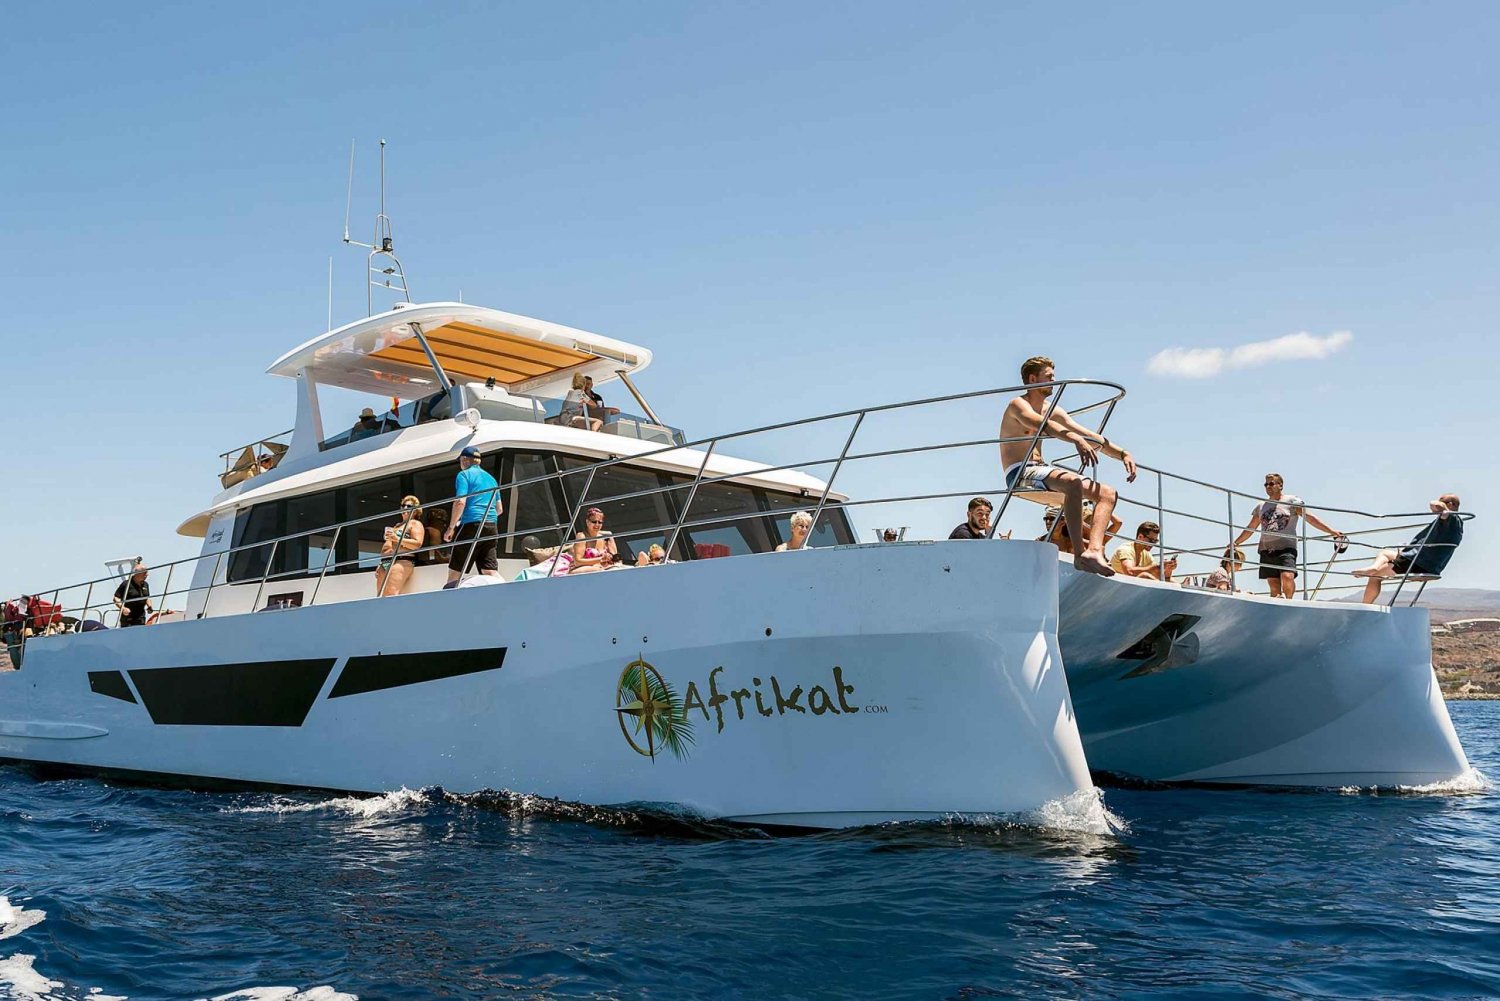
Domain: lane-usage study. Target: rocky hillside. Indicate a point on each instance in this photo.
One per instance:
(1468, 664)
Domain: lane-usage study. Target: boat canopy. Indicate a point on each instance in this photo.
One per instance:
(383, 354)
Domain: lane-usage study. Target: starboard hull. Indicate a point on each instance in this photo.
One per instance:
(1181, 685)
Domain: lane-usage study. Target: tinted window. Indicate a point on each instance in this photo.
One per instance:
(636, 522)
(735, 537)
(430, 486)
(361, 543)
(534, 508)
(832, 528)
(259, 523)
(307, 553)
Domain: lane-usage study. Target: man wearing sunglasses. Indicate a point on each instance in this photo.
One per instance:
(1276, 520)
(1134, 559)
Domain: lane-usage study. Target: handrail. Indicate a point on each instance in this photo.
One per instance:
(709, 446)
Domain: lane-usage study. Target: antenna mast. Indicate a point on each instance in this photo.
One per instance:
(389, 275)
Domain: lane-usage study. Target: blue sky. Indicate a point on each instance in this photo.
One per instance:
(799, 208)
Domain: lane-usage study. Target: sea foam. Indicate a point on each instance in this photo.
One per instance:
(1467, 783)
(357, 806)
(14, 920)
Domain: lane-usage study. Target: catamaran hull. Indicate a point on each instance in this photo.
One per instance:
(1182, 685)
(823, 689)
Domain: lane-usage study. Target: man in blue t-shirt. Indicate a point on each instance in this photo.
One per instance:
(474, 524)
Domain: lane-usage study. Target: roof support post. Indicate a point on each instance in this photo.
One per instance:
(625, 378)
(416, 329)
(309, 428)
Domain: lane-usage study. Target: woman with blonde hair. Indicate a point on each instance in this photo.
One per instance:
(801, 527)
(401, 539)
(575, 406)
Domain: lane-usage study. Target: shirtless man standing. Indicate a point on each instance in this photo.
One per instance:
(1023, 472)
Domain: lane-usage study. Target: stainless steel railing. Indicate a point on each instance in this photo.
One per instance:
(1190, 529)
(691, 459)
(1372, 533)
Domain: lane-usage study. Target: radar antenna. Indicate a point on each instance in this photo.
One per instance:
(383, 267)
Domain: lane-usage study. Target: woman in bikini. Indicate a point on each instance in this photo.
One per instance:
(400, 539)
(595, 549)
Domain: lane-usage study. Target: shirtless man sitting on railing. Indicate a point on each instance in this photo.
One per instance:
(1029, 473)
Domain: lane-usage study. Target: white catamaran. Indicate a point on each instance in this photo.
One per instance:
(841, 685)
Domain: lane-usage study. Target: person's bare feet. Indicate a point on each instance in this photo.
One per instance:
(1384, 573)
(1091, 563)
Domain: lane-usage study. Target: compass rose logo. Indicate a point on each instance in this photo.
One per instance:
(651, 717)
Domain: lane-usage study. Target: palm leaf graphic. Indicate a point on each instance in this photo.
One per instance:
(671, 728)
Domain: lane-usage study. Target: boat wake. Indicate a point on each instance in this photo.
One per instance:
(1469, 783)
(1082, 812)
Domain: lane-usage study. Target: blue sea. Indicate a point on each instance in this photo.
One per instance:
(122, 891)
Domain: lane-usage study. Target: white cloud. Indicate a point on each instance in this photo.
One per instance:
(1204, 363)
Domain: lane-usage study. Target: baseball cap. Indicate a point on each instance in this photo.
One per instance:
(470, 453)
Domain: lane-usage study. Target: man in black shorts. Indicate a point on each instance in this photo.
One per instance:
(1276, 520)
(473, 527)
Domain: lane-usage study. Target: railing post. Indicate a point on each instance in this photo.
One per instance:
(1229, 549)
(1161, 530)
(88, 599)
(588, 484)
(1413, 562)
(1302, 570)
(1030, 450)
(166, 588)
(828, 487)
(333, 551)
(218, 561)
(270, 565)
(688, 505)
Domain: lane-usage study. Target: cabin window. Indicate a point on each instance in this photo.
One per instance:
(540, 509)
(832, 528)
(359, 545)
(636, 522)
(261, 523)
(535, 508)
(310, 515)
(736, 536)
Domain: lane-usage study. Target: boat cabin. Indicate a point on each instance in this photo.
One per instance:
(459, 375)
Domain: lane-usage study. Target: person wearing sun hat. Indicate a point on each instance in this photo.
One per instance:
(366, 426)
(474, 524)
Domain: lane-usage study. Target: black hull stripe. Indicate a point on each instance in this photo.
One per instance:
(111, 683)
(379, 672)
(266, 693)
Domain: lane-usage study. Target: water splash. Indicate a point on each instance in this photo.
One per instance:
(1468, 783)
(357, 806)
(1082, 812)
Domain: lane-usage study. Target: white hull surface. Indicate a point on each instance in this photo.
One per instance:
(902, 695)
(1183, 685)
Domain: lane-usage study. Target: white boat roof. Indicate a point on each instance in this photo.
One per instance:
(381, 354)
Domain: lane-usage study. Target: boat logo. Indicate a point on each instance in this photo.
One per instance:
(651, 716)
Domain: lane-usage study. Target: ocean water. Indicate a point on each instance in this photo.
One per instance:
(119, 891)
